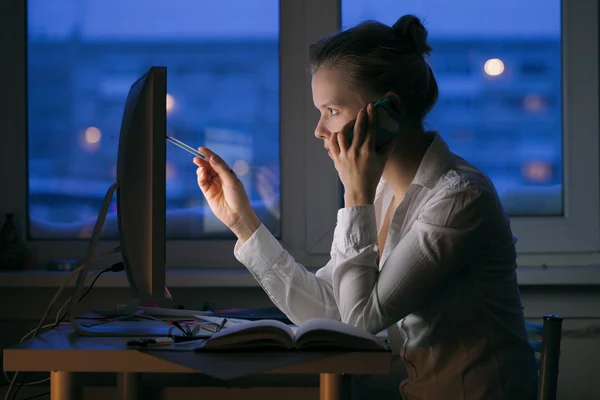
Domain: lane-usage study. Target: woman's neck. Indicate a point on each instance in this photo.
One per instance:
(405, 160)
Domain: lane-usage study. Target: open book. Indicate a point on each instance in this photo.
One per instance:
(314, 334)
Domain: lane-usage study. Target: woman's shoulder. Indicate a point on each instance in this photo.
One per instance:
(464, 176)
(463, 192)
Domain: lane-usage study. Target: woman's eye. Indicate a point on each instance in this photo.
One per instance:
(332, 111)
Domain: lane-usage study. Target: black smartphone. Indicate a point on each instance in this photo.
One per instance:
(389, 123)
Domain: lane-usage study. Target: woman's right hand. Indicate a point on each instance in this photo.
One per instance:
(226, 195)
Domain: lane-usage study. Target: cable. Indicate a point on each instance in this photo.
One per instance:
(88, 259)
(21, 341)
(58, 319)
(90, 253)
(37, 329)
(49, 308)
(118, 267)
(93, 283)
(20, 386)
(38, 395)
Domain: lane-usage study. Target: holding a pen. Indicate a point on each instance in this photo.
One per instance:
(223, 191)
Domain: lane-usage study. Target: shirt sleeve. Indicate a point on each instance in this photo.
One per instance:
(299, 293)
(440, 241)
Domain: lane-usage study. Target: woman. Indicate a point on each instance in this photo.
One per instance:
(422, 245)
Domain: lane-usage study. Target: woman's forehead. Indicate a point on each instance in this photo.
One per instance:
(330, 87)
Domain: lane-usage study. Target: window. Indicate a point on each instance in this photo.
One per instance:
(229, 71)
(533, 127)
(518, 87)
(453, 65)
(532, 68)
(497, 48)
(223, 81)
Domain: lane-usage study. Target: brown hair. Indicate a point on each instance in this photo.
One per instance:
(383, 59)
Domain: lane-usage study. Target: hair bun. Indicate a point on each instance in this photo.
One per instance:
(410, 29)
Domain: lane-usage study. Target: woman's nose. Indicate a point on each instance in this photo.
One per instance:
(321, 132)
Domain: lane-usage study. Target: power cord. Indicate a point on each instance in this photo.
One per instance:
(66, 303)
(38, 395)
(118, 267)
(40, 325)
(89, 258)
(82, 270)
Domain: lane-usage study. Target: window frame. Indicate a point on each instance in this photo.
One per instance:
(310, 189)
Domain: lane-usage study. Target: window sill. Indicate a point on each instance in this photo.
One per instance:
(559, 276)
(552, 276)
(175, 278)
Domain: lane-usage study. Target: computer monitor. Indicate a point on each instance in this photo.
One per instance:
(141, 174)
(141, 203)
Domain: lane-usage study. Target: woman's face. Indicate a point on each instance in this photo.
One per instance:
(336, 101)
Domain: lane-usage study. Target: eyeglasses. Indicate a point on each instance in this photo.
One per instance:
(192, 330)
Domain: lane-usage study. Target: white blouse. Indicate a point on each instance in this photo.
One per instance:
(446, 279)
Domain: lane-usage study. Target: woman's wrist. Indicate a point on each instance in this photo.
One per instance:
(357, 199)
(245, 227)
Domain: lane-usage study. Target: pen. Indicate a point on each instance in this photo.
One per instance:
(185, 147)
(189, 149)
(222, 324)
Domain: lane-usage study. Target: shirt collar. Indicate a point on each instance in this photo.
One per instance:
(435, 162)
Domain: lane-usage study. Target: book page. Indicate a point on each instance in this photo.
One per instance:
(323, 331)
(250, 334)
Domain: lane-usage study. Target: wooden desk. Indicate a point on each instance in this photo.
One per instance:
(62, 353)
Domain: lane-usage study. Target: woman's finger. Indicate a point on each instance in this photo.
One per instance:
(334, 146)
(204, 180)
(359, 129)
(205, 174)
(371, 128)
(342, 140)
(200, 162)
(218, 165)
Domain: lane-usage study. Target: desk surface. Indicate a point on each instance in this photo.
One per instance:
(63, 350)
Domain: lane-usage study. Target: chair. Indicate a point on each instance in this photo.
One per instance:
(549, 350)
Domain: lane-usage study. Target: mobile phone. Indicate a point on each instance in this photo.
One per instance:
(389, 123)
(185, 147)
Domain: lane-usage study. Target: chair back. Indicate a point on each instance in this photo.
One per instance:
(547, 349)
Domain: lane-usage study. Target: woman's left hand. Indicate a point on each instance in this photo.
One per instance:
(358, 165)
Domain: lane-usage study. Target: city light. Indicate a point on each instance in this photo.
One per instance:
(494, 67)
(171, 171)
(90, 139)
(534, 102)
(241, 167)
(170, 103)
(537, 171)
(92, 135)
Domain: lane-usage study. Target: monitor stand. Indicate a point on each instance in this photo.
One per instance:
(128, 321)
(124, 327)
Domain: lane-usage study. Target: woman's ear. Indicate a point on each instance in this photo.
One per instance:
(395, 101)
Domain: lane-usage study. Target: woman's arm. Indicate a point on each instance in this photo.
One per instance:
(297, 292)
(440, 241)
(300, 294)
